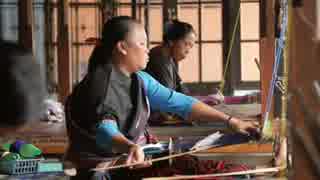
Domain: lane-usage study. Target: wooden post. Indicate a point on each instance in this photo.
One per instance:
(49, 47)
(147, 19)
(267, 48)
(64, 62)
(170, 10)
(230, 15)
(26, 24)
(134, 9)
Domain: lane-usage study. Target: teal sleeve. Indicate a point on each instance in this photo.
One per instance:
(106, 130)
(164, 99)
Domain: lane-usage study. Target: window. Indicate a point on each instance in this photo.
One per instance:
(211, 26)
(85, 24)
(249, 40)
(205, 61)
(190, 67)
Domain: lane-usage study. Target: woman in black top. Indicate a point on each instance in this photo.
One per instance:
(178, 39)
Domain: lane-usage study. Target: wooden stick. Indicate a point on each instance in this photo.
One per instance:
(154, 160)
(257, 63)
(256, 171)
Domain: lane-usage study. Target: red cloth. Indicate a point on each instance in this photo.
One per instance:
(187, 165)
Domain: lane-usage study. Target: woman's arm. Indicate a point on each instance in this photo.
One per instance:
(201, 111)
(164, 99)
(167, 100)
(109, 137)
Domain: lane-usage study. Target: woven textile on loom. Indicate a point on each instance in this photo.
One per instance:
(186, 165)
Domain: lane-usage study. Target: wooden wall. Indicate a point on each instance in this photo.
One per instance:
(304, 103)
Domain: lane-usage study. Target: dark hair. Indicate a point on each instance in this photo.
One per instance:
(22, 92)
(176, 30)
(114, 30)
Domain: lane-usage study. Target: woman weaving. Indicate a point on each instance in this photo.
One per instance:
(108, 110)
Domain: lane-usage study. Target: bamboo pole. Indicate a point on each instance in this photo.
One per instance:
(256, 171)
(152, 160)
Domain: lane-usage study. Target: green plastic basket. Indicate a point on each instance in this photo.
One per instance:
(21, 166)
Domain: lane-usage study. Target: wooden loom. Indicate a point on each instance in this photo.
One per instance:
(254, 153)
(52, 145)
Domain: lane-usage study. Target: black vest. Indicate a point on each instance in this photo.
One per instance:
(85, 108)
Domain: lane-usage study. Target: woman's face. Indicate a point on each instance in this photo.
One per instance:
(136, 48)
(181, 48)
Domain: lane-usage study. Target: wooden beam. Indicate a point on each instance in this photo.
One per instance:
(278, 103)
(49, 48)
(147, 19)
(230, 13)
(26, 24)
(169, 10)
(267, 46)
(64, 61)
(134, 9)
(108, 9)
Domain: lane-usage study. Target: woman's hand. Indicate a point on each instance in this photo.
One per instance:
(249, 127)
(136, 155)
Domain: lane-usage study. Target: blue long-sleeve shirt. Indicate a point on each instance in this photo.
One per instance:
(160, 98)
(164, 99)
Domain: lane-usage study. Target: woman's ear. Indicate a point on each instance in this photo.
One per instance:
(121, 46)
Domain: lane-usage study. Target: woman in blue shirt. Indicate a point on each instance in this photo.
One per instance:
(108, 110)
